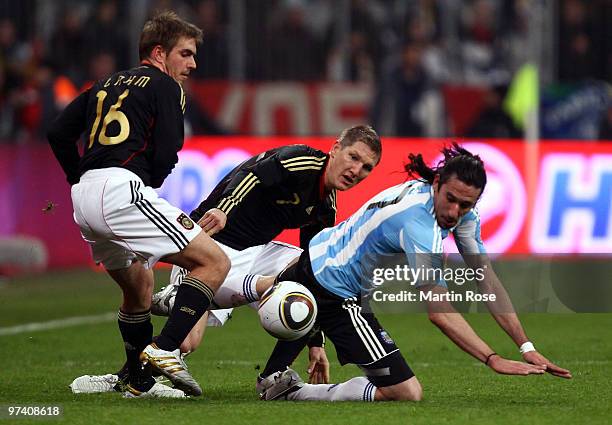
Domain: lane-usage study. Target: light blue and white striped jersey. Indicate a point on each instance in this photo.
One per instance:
(398, 220)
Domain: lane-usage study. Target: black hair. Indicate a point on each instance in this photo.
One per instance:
(457, 161)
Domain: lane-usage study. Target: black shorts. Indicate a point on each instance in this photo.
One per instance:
(357, 336)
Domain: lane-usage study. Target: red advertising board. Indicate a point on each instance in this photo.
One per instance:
(553, 198)
(556, 198)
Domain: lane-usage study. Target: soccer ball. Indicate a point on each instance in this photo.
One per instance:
(287, 311)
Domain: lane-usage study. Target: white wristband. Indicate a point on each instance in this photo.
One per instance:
(527, 347)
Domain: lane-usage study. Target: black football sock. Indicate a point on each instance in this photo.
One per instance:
(283, 355)
(137, 332)
(124, 372)
(192, 300)
(124, 376)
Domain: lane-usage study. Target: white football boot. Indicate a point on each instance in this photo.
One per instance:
(280, 384)
(157, 390)
(90, 384)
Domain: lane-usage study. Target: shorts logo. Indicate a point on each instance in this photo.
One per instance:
(185, 221)
(385, 337)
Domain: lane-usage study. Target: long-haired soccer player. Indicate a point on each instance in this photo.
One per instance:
(411, 219)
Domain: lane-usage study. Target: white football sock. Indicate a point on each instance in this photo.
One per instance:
(356, 389)
(237, 290)
(249, 287)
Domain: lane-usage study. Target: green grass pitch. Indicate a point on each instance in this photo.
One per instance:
(38, 366)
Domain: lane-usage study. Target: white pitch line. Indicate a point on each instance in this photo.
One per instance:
(58, 324)
(236, 362)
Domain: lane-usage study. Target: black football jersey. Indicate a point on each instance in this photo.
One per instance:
(132, 120)
(279, 189)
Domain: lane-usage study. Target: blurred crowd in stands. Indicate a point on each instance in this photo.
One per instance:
(408, 50)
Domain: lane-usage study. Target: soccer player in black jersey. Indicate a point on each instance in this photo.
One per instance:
(283, 188)
(288, 187)
(133, 128)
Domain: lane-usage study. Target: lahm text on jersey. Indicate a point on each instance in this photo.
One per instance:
(135, 80)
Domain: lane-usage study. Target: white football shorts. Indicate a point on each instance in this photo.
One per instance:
(267, 260)
(122, 219)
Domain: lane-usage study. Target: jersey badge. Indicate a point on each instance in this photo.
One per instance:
(185, 221)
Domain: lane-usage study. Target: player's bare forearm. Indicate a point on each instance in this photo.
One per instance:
(502, 309)
(511, 324)
(453, 325)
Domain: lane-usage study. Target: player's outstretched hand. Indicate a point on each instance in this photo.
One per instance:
(536, 358)
(318, 367)
(511, 367)
(213, 221)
